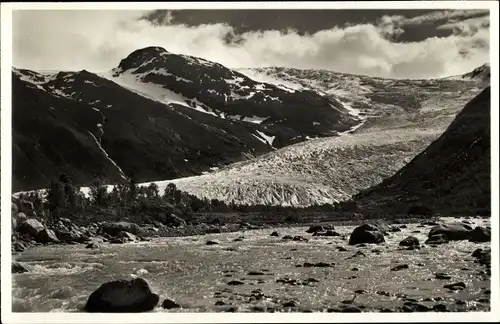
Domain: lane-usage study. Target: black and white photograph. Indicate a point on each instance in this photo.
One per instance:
(267, 159)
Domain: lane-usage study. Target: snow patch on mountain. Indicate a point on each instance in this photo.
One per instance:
(149, 90)
(36, 78)
(268, 139)
(120, 171)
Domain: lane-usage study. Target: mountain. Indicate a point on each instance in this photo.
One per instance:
(481, 74)
(400, 119)
(452, 175)
(156, 116)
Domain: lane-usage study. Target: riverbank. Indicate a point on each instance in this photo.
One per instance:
(66, 231)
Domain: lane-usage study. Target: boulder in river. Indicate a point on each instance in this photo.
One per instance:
(118, 240)
(410, 241)
(480, 234)
(327, 233)
(212, 242)
(299, 238)
(400, 267)
(127, 236)
(92, 246)
(113, 228)
(315, 228)
(18, 268)
(453, 232)
(275, 234)
(18, 246)
(395, 229)
(47, 236)
(366, 233)
(437, 239)
(455, 286)
(70, 235)
(482, 256)
(30, 227)
(169, 304)
(122, 296)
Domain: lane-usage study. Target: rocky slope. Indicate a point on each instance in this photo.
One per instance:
(400, 119)
(451, 175)
(156, 116)
(481, 74)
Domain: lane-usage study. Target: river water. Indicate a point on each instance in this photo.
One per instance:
(195, 275)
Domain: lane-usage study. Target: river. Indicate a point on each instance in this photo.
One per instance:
(195, 275)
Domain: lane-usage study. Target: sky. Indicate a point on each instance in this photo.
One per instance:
(384, 43)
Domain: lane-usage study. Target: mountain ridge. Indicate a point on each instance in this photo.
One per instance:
(451, 175)
(138, 135)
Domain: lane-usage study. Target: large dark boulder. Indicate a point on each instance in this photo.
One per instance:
(114, 228)
(18, 268)
(454, 232)
(410, 241)
(30, 227)
(480, 234)
(122, 296)
(72, 235)
(483, 256)
(47, 236)
(315, 229)
(366, 233)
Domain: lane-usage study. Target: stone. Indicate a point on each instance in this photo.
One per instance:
(357, 254)
(299, 238)
(92, 246)
(170, 304)
(129, 237)
(410, 241)
(437, 239)
(442, 276)
(122, 296)
(30, 227)
(440, 308)
(47, 236)
(113, 228)
(315, 228)
(400, 267)
(18, 268)
(480, 235)
(453, 232)
(366, 234)
(455, 286)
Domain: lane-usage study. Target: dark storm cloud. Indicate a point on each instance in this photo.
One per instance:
(417, 25)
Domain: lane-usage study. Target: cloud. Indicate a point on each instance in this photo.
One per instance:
(97, 41)
(467, 27)
(436, 16)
